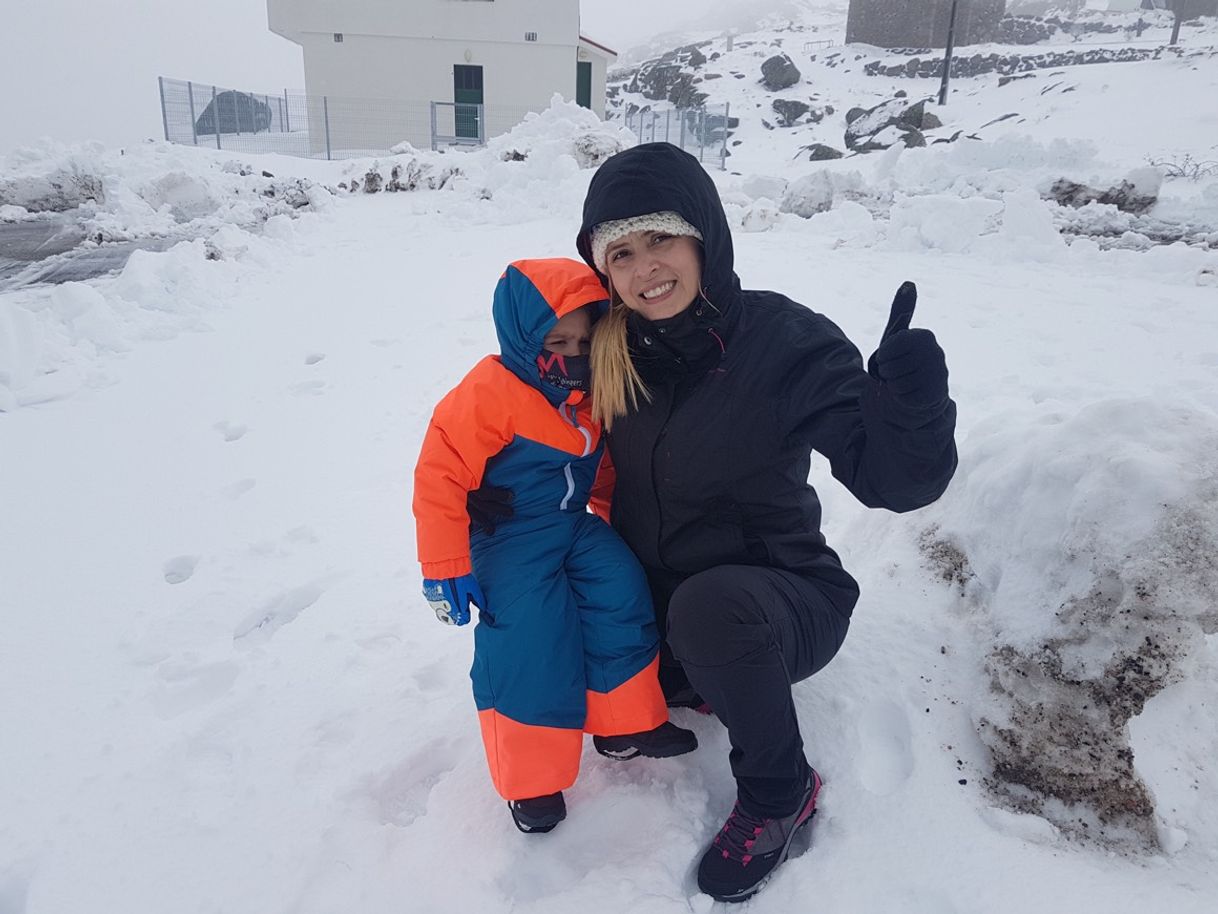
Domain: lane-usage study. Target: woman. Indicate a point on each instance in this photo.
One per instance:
(713, 398)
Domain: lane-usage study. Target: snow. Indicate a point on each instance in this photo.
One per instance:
(221, 690)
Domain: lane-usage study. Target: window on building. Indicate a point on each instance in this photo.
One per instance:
(338, 37)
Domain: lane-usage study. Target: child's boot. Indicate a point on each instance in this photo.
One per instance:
(664, 741)
(538, 814)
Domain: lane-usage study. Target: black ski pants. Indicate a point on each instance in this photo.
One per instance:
(740, 636)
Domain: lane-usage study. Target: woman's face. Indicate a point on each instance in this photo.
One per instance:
(657, 275)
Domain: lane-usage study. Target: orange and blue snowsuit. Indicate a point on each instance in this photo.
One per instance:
(567, 642)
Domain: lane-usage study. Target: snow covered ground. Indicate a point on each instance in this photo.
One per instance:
(220, 690)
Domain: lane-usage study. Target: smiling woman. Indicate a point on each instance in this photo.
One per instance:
(713, 398)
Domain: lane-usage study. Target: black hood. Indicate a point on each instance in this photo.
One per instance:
(658, 177)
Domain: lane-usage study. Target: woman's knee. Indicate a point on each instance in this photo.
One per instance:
(714, 618)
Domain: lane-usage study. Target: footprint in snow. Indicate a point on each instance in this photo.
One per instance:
(182, 687)
(886, 748)
(180, 568)
(230, 431)
(238, 488)
(312, 388)
(277, 612)
(314, 357)
(401, 794)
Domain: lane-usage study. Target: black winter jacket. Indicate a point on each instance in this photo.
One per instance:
(714, 470)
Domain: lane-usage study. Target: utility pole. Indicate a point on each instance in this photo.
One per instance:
(947, 54)
(1176, 6)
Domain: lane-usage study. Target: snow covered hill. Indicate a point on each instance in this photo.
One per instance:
(220, 690)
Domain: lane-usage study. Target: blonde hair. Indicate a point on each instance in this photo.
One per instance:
(616, 383)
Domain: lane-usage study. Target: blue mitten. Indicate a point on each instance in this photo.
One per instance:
(451, 597)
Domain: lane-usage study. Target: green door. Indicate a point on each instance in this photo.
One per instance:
(467, 92)
(583, 84)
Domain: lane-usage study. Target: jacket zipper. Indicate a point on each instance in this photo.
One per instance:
(655, 488)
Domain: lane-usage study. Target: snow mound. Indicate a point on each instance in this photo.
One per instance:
(1096, 571)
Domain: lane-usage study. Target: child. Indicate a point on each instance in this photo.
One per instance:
(566, 640)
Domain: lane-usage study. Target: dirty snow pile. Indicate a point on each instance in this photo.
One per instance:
(221, 691)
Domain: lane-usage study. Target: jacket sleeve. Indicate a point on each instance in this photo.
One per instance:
(601, 497)
(886, 454)
(469, 426)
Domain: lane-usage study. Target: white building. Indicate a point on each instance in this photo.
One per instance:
(380, 63)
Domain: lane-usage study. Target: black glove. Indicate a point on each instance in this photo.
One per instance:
(910, 363)
(488, 506)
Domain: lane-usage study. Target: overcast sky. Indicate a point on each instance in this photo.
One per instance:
(87, 69)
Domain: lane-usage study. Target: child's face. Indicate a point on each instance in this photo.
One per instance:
(572, 335)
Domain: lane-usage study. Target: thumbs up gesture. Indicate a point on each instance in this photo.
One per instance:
(910, 363)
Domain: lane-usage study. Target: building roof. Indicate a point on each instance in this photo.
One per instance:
(584, 39)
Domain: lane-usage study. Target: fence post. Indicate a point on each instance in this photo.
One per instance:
(683, 112)
(190, 93)
(667, 123)
(236, 112)
(325, 107)
(701, 132)
(727, 110)
(160, 81)
(287, 108)
(482, 125)
(433, 126)
(215, 115)
(266, 100)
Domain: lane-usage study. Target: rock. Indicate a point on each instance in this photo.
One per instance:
(819, 152)
(854, 114)
(931, 121)
(779, 73)
(1132, 195)
(1003, 80)
(885, 125)
(789, 111)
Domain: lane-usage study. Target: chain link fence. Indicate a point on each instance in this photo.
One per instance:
(320, 126)
(702, 131)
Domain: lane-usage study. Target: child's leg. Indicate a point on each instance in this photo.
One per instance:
(528, 674)
(620, 640)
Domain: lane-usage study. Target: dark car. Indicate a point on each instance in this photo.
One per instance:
(239, 112)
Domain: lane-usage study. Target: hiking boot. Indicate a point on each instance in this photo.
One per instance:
(664, 741)
(749, 848)
(538, 815)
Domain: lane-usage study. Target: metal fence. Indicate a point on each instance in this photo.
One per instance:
(329, 127)
(320, 126)
(702, 132)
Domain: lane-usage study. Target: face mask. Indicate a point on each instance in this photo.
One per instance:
(566, 372)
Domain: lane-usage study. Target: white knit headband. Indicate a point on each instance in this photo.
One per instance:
(606, 233)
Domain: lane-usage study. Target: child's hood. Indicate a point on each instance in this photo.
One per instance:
(530, 298)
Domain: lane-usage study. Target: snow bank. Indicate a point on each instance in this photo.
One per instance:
(1086, 542)
(233, 213)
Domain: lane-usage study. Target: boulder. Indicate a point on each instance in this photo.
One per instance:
(1135, 194)
(819, 152)
(779, 73)
(789, 111)
(885, 125)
